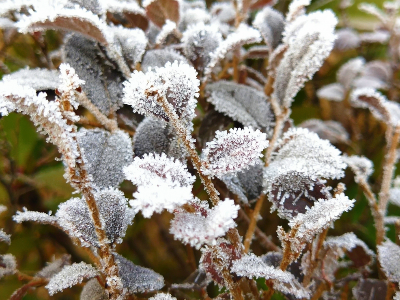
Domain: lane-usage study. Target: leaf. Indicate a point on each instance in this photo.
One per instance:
(376, 74)
(138, 279)
(361, 166)
(162, 296)
(199, 41)
(194, 15)
(242, 103)
(223, 12)
(104, 155)
(70, 276)
(38, 79)
(154, 136)
(377, 36)
(252, 266)
(327, 130)
(159, 11)
(296, 9)
(243, 35)
(270, 23)
(93, 291)
(310, 40)
(212, 122)
(177, 83)
(8, 265)
(4, 237)
(233, 151)
(347, 39)
(72, 19)
(103, 82)
(349, 71)
(204, 225)
(54, 267)
(370, 289)
(162, 183)
(95, 6)
(389, 259)
(34, 216)
(332, 92)
(131, 11)
(157, 58)
(247, 184)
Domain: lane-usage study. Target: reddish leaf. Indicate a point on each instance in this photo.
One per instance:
(159, 11)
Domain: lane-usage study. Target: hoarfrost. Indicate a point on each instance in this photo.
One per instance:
(233, 151)
(138, 279)
(205, 225)
(332, 92)
(349, 71)
(389, 259)
(38, 79)
(327, 130)
(8, 265)
(157, 58)
(4, 237)
(168, 28)
(54, 267)
(70, 276)
(360, 165)
(105, 154)
(34, 216)
(162, 296)
(240, 102)
(270, 23)
(347, 39)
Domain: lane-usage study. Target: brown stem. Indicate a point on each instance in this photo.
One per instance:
(318, 293)
(253, 223)
(288, 255)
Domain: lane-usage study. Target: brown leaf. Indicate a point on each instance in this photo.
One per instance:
(370, 289)
(159, 11)
(359, 257)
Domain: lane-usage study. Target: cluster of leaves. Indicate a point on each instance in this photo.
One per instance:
(174, 109)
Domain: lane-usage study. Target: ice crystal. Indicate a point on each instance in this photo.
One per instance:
(240, 102)
(233, 151)
(360, 165)
(317, 218)
(103, 83)
(205, 225)
(38, 79)
(242, 36)
(327, 130)
(270, 23)
(389, 259)
(105, 154)
(247, 184)
(138, 279)
(310, 39)
(162, 296)
(383, 109)
(199, 41)
(176, 82)
(70, 276)
(34, 216)
(73, 216)
(8, 265)
(93, 291)
(54, 267)
(162, 183)
(157, 58)
(252, 266)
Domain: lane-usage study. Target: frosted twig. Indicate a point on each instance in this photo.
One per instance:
(253, 221)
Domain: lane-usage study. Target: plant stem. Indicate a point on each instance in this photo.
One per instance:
(253, 223)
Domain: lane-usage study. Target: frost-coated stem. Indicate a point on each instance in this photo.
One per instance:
(253, 222)
(388, 172)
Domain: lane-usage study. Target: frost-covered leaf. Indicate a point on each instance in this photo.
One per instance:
(252, 266)
(38, 79)
(93, 291)
(212, 122)
(243, 35)
(373, 10)
(327, 130)
(204, 225)
(332, 92)
(168, 29)
(389, 259)
(194, 15)
(376, 74)
(103, 82)
(247, 184)
(59, 17)
(95, 6)
(317, 218)
(347, 39)
(132, 43)
(138, 279)
(218, 259)
(105, 154)
(360, 165)
(159, 11)
(377, 36)
(8, 265)
(4, 237)
(70, 276)
(383, 109)
(310, 39)
(296, 9)
(223, 11)
(233, 151)
(73, 216)
(176, 82)
(240, 102)
(54, 267)
(199, 41)
(157, 58)
(355, 248)
(154, 136)
(370, 289)
(162, 296)
(46, 115)
(349, 71)
(162, 183)
(34, 216)
(270, 23)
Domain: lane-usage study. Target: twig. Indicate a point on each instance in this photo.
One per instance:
(253, 222)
